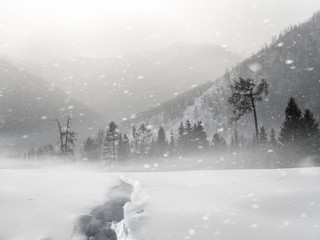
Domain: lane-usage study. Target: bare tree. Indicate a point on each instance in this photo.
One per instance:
(245, 94)
(60, 136)
(67, 138)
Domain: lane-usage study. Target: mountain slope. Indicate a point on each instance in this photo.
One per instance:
(291, 66)
(120, 87)
(29, 106)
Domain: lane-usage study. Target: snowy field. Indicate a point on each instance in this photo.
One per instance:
(236, 204)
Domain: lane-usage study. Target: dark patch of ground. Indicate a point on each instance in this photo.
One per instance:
(97, 225)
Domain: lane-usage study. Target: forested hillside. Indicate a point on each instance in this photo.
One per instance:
(291, 66)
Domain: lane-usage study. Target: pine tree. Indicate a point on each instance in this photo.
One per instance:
(161, 143)
(144, 137)
(181, 138)
(199, 137)
(188, 136)
(244, 96)
(290, 132)
(111, 142)
(290, 135)
(310, 133)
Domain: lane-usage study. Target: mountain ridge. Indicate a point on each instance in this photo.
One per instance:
(29, 106)
(291, 66)
(120, 87)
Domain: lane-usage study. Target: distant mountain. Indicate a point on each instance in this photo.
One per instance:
(28, 107)
(120, 87)
(291, 66)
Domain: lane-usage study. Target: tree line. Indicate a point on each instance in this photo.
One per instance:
(299, 136)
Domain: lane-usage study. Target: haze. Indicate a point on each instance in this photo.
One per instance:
(42, 30)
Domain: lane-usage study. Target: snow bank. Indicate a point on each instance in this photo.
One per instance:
(135, 222)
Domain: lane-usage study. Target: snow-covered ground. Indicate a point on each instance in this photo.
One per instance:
(235, 204)
(238, 204)
(38, 203)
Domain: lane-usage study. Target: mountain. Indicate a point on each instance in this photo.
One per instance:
(291, 66)
(28, 107)
(120, 87)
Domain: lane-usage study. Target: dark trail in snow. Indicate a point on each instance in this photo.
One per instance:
(97, 225)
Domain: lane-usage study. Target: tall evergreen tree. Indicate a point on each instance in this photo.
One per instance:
(245, 94)
(188, 136)
(111, 142)
(291, 128)
(290, 135)
(181, 138)
(162, 144)
(199, 137)
(144, 138)
(310, 133)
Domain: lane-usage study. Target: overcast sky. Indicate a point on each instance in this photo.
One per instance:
(40, 30)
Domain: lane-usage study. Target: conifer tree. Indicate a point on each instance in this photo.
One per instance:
(290, 135)
(245, 94)
(291, 129)
(310, 133)
(162, 144)
(144, 137)
(199, 136)
(188, 136)
(111, 142)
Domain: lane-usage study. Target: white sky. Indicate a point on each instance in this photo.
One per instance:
(39, 30)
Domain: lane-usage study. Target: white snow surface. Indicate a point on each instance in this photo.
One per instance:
(235, 204)
(225, 204)
(39, 203)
